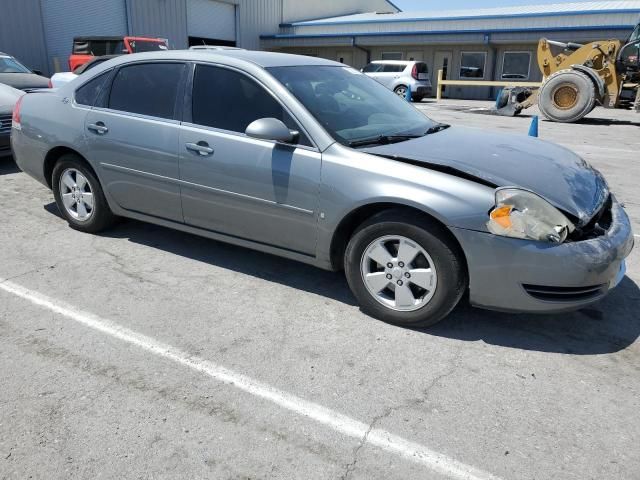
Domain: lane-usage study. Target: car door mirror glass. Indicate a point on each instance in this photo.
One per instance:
(271, 129)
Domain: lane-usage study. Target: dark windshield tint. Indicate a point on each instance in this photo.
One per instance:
(350, 105)
(146, 46)
(229, 100)
(98, 47)
(88, 93)
(11, 65)
(422, 67)
(147, 89)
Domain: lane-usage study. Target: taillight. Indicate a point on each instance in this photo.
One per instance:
(15, 118)
(414, 71)
(50, 84)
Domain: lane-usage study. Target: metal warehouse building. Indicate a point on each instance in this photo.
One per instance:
(482, 44)
(40, 32)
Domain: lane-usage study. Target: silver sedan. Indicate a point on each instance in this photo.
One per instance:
(311, 160)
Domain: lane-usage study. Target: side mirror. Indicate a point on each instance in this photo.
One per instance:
(271, 129)
(37, 72)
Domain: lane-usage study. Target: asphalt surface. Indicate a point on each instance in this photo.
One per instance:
(481, 395)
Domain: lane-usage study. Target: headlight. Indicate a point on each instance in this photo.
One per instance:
(523, 214)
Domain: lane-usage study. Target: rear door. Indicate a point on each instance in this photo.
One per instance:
(133, 136)
(391, 72)
(252, 189)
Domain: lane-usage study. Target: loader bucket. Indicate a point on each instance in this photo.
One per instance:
(512, 100)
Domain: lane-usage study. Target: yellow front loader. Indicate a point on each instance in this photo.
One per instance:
(577, 78)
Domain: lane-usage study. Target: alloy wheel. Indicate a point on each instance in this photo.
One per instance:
(398, 273)
(76, 194)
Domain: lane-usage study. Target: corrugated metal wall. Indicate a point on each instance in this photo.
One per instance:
(257, 17)
(65, 19)
(162, 18)
(16, 18)
(211, 19)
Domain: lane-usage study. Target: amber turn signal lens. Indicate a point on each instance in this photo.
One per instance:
(502, 216)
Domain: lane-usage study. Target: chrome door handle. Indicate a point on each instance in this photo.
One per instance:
(202, 148)
(98, 127)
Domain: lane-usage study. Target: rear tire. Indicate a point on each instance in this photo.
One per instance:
(435, 278)
(79, 195)
(567, 96)
(401, 91)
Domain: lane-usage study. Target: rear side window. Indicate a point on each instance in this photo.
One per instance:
(98, 47)
(372, 68)
(392, 68)
(88, 93)
(148, 89)
(229, 100)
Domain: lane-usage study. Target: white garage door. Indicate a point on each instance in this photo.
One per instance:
(211, 19)
(65, 19)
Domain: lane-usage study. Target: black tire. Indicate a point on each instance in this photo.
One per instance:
(567, 96)
(101, 216)
(399, 89)
(434, 239)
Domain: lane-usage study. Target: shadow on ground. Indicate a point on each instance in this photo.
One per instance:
(8, 166)
(606, 327)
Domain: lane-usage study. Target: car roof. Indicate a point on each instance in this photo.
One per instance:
(262, 59)
(396, 62)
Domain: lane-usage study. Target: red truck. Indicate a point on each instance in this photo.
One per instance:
(85, 48)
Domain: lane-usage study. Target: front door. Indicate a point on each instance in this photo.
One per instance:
(133, 138)
(442, 61)
(251, 189)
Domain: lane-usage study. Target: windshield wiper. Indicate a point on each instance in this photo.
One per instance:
(438, 127)
(382, 140)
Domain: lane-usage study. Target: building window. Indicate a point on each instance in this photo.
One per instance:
(391, 55)
(472, 64)
(515, 65)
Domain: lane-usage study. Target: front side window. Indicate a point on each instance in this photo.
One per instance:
(472, 64)
(11, 65)
(351, 106)
(515, 65)
(148, 89)
(89, 93)
(229, 100)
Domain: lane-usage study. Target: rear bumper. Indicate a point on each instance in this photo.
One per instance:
(525, 276)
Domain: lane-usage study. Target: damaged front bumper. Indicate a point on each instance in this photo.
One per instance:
(526, 276)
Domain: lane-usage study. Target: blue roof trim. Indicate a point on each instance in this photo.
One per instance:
(318, 22)
(448, 32)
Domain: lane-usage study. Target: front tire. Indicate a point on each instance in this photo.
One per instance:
(567, 96)
(405, 271)
(79, 195)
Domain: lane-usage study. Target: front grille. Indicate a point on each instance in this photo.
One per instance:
(5, 124)
(564, 294)
(597, 226)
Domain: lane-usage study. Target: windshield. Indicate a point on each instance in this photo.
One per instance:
(11, 65)
(138, 46)
(636, 34)
(350, 105)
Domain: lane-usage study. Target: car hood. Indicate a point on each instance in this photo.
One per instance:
(24, 80)
(551, 171)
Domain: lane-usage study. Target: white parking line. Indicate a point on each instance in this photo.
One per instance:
(348, 426)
